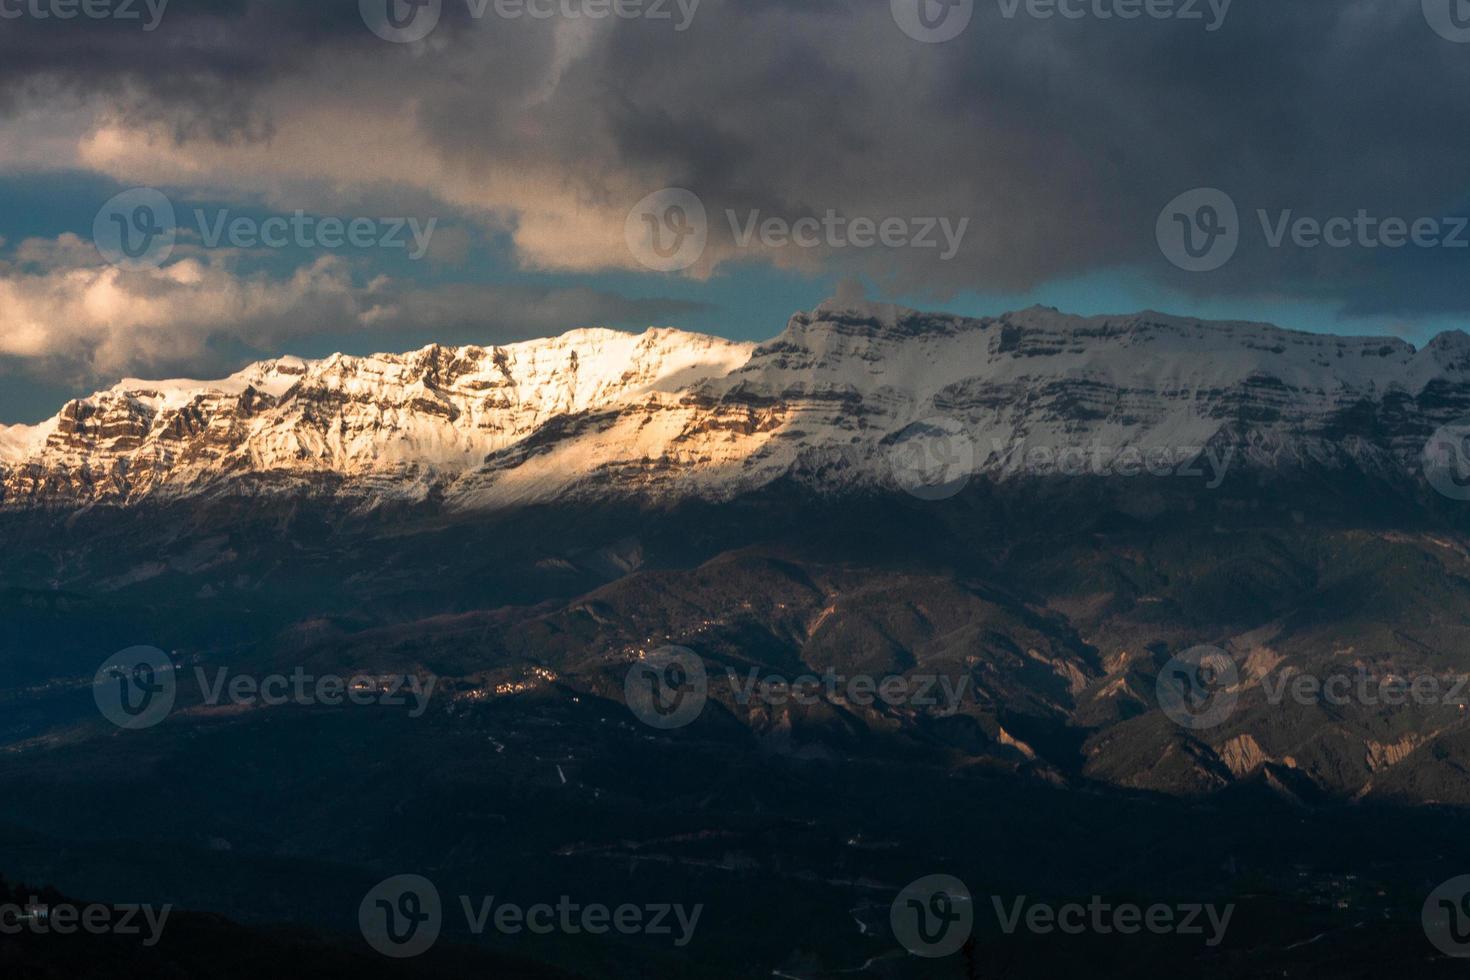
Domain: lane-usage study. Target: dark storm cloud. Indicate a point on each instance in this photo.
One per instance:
(1059, 139)
(197, 52)
(1063, 140)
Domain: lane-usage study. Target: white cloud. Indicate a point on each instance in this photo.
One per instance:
(68, 313)
(111, 322)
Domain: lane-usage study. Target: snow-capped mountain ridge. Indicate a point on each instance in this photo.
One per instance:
(665, 413)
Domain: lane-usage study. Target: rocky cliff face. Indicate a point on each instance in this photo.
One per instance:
(829, 402)
(384, 426)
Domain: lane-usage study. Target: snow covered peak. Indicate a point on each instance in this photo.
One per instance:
(274, 378)
(598, 412)
(404, 421)
(580, 368)
(1449, 353)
